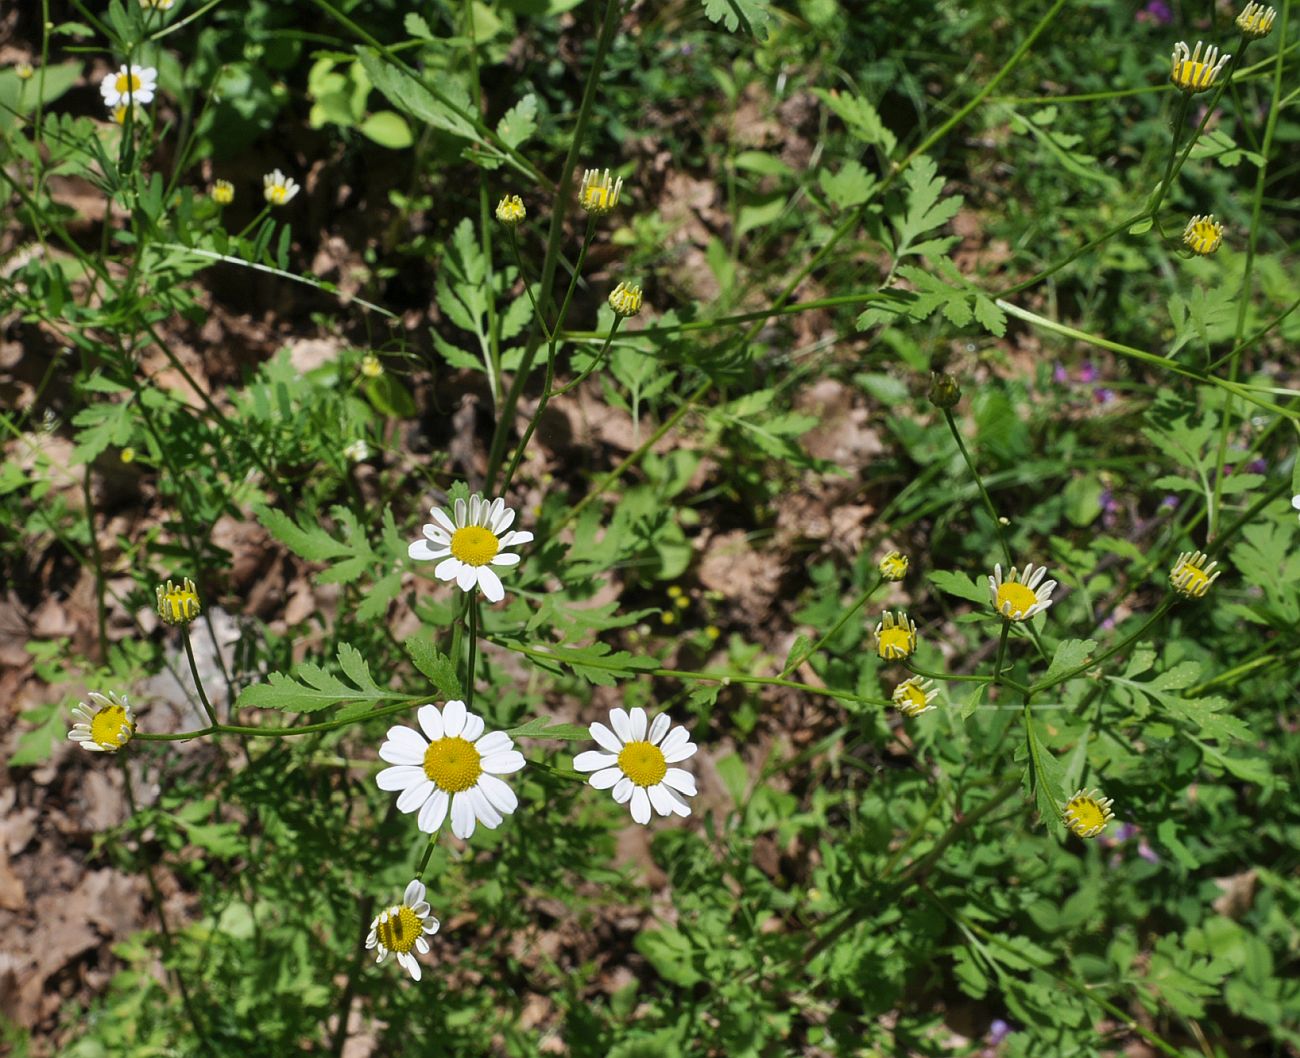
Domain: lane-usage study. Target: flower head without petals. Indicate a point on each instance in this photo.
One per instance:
(468, 542)
(1256, 20)
(403, 929)
(1193, 72)
(1017, 597)
(104, 724)
(24, 71)
(178, 604)
(598, 193)
(1087, 813)
(1191, 577)
(625, 299)
(913, 697)
(223, 192)
(511, 211)
(278, 189)
(895, 636)
(135, 84)
(1203, 234)
(893, 566)
(635, 759)
(450, 769)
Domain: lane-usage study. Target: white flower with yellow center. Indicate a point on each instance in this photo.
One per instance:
(598, 193)
(223, 192)
(277, 188)
(1256, 20)
(1087, 813)
(1191, 577)
(470, 543)
(625, 300)
(1203, 234)
(456, 768)
(105, 725)
(129, 85)
(913, 697)
(1191, 71)
(1017, 597)
(511, 211)
(893, 566)
(402, 929)
(634, 759)
(895, 636)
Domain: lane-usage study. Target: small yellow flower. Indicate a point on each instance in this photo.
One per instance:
(598, 193)
(24, 71)
(668, 617)
(1191, 577)
(223, 192)
(895, 636)
(893, 566)
(178, 604)
(105, 723)
(913, 697)
(1203, 234)
(1256, 20)
(370, 366)
(1017, 596)
(712, 632)
(277, 188)
(625, 300)
(1192, 73)
(510, 210)
(1087, 813)
(127, 455)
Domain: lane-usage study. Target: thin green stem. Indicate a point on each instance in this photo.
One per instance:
(845, 617)
(1110, 652)
(278, 732)
(984, 493)
(1002, 650)
(198, 680)
(1180, 119)
(472, 651)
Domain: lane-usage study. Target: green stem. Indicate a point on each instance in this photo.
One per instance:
(988, 501)
(198, 681)
(1002, 650)
(472, 651)
(1105, 655)
(278, 732)
(858, 603)
(1179, 121)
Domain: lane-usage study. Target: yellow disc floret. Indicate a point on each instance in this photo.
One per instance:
(1256, 20)
(510, 210)
(1203, 234)
(453, 764)
(913, 697)
(625, 299)
(1191, 71)
(475, 545)
(598, 193)
(895, 636)
(1191, 577)
(399, 928)
(178, 604)
(112, 727)
(1087, 813)
(893, 566)
(128, 83)
(223, 192)
(643, 763)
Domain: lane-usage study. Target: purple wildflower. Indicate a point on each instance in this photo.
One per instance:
(1059, 375)
(1088, 373)
(1156, 12)
(1104, 395)
(998, 1031)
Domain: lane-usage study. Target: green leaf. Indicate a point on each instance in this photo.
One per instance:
(434, 664)
(388, 129)
(670, 952)
(315, 544)
(541, 727)
(752, 15)
(519, 122)
(961, 585)
(1070, 654)
(860, 117)
(448, 108)
(417, 27)
(851, 186)
(312, 688)
(926, 209)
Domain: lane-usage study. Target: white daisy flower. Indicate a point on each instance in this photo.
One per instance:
(106, 723)
(1017, 597)
(457, 767)
(134, 85)
(470, 543)
(403, 927)
(277, 188)
(635, 762)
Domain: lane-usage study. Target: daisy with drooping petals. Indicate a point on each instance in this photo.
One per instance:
(893, 566)
(1203, 234)
(634, 759)
(1087, 813)
(469, 543)
(1191, 577)
(402, 929)
(105, 725)
(895, 636)
(1017, 597)
(134, 85)
(456, 768)
(278, 189)
(913, 697)
(1193, 72)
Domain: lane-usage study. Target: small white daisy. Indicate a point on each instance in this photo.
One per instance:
(1017, 597)
(635, 763)
(470, 543)
(277, 188)
(457, 767)
(106, 723)
(357, 451)
(403, 927)
(134, 85)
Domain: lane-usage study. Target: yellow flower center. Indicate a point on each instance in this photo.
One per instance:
(127, 82)
(597, 197)
(400, 932)
(475, 545)
(453, 764)
(1020, 597)
(893, 566)
(1191, 580)
(275, 194)
(1086, 816)
(910, 698)
(110, 728)
(643, 763)
(895, 642)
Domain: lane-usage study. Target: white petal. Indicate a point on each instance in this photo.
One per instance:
(462, 816)
(680, 780)
(605, 738)
(503, 520)
(434, 811)
(448, 569)
(430, 723)
(677, 738)
(493, 742)
(483, 810)
(460, 514)
(491, 584)
(400, 778)
(637, 717)
(593, 760)
(492, 512)
(503, 763)
(518, 536)
(413, 964)
(421, 551)
(623, 789)
(473, 728)
(467, 577)
(436, 535)
(603, 780)
(658, 728)
(503, 798)
(661, 799)
(414, 893)
(506, 558)
(475, 502)
(422, 945)
(640, 805)
(414, 796)
(679, 805)
(404, 746)
(453, 718)
(678, 755)
(621, 724)
(443, 519)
